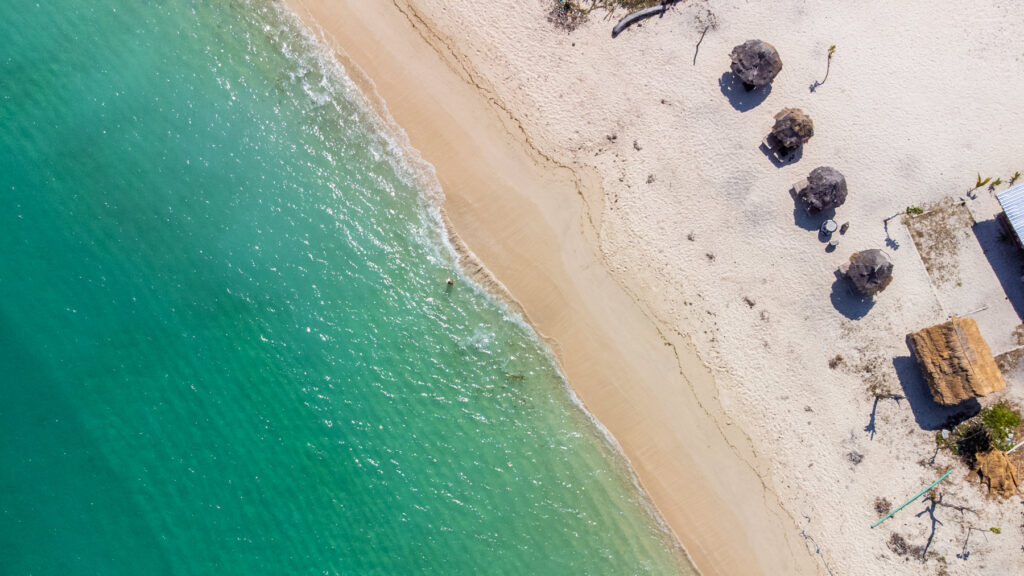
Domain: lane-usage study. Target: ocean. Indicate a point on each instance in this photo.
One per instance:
(227, 344)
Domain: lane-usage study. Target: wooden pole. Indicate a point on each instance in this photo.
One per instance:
(919, 494)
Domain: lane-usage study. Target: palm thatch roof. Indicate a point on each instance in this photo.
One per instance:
(870, 271)
(956, 361)
(995, 469)
(755, 62)
(792, 127)
(826, 189)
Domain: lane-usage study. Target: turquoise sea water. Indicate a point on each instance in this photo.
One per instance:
(226, 344)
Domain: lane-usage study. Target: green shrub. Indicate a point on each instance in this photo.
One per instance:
(999, 420)
(971, 439)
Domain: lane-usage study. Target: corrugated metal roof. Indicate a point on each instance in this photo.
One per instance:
(1012, 202)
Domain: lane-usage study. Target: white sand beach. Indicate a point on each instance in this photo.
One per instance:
(615, 189)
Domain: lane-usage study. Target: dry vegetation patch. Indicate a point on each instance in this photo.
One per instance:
(567, 15)
(938, 233)
(574, 12)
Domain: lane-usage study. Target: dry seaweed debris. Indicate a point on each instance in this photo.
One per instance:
(567, 15)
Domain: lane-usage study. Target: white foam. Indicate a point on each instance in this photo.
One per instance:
(421, 174)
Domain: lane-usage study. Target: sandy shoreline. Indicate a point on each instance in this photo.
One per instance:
(615, 188)
(525, 218)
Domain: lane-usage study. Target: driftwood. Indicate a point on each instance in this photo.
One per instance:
(630, 19)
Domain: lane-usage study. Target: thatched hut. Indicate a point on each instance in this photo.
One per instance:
(792, 127)
(755, 63)
(870, 271)
(956, 361)
(825, 189)
(995, 469)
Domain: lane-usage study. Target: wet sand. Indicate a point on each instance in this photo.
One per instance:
(531, 222)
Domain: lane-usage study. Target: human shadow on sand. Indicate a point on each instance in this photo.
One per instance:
(847, 301)
(929, 414)
(739, 97)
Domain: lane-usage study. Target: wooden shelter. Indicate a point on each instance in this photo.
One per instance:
(956, 361)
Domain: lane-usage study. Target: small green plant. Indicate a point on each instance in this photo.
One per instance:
(914, 210)
(828, 65)
(999, 421)
(981, 182)
(828, 68)
(997, 182)
(995, 530)
(1015, 177)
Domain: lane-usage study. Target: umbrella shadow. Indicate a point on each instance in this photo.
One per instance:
(1005, 258)
(739, 97)
(847, 302)
(807, 220)
(778, 154)
(929, 414)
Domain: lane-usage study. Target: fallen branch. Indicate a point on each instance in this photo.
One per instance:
(630, 19)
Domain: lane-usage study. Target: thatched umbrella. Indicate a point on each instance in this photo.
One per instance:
(870, 271)
(826, 189)
(756, 63)
(792, 127)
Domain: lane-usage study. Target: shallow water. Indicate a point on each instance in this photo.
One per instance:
(226, 342)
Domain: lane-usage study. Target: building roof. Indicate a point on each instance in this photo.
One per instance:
(956, 361)
(1012, 201)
